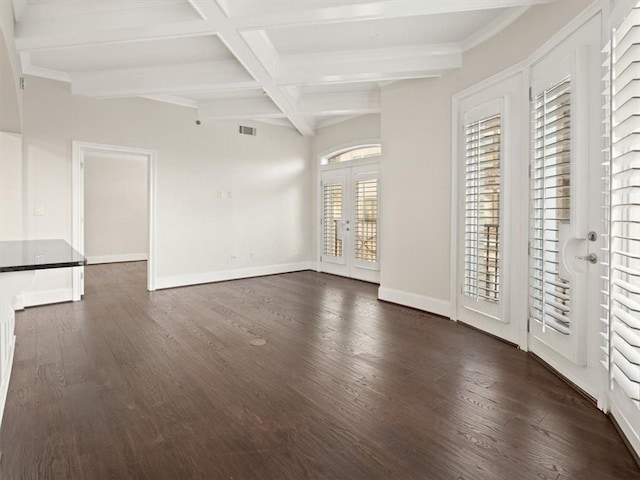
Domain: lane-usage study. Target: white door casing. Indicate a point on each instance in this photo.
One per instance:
(488, 145)
(565, 186)
(349, 234)
(79, 149)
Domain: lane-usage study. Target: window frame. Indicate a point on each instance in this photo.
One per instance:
(353, 145)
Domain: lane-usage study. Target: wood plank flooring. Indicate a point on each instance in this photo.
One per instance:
(165, 385)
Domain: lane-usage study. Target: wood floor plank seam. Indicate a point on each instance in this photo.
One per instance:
(165, 385)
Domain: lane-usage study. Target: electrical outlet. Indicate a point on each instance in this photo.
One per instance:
(221, 194)
(234, 256)
(228, 193)
(39, 210)
(252, 255)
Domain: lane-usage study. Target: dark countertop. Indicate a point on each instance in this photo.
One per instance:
(22, 255)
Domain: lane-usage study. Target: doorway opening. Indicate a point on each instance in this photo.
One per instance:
(113, 207)
(349, 219)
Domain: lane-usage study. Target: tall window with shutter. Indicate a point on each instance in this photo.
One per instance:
(482, 210)
(621, 329)
(550, 206)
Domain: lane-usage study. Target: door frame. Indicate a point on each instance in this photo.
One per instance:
(79, 150)
(520, 283)
(320, 169)
(515, 261)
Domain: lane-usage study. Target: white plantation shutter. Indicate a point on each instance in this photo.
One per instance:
(622, 288)
(366, 220)
(482, 209)
(331, 215)
(550, 206)
(605, 331)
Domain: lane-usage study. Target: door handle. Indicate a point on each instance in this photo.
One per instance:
(591, 258)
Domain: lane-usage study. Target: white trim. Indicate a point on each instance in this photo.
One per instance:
(415, 300)
(4, 382)
(343, 147)
(224, 275)
(520, 285)
(574, 373)
(77, 204)
(631, 432)
(123, 257)
(453, 251)
(358, 162)
(578, 21)
(490, 81)
(523, 67)
(506, 88)
(46, 297)
(493, 28)
(19, 305)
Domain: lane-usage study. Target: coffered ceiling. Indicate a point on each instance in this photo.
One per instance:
(300, 63)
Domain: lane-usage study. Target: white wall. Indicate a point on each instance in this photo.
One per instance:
(11, 165)
(197, 233)
(416, 167)
(11, 186)
(115, 208)
(331, 138)
(10, 71)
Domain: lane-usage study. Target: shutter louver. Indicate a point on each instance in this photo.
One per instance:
(623, 170)
(482, 210)
(605, 331)
(550, 206)
(332, 214)
(366, 219)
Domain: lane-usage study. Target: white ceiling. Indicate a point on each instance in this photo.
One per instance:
(382, 33)
(301, 63)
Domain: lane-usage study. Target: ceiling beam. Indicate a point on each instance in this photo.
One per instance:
(59, 25)
(261, 107)
(239, 47)
(171, 79)
(146, 22)
(368, 65)
(68, 38)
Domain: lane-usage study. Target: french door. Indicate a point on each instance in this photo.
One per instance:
(349, 222)
(565, 213)
(489, 141)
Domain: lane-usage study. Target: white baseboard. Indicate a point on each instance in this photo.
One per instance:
(221, 276)
(624, 421)
(4, 382)
(19, 302)
(45, 297)
(414, 300)
(125, 257)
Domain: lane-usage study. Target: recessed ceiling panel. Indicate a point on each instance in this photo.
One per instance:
(235, 8)
(396, 32)
(340, 88)
(133, 54)
(120, 13)
(225, 94)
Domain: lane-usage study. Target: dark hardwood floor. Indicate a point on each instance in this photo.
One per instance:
(131, 384)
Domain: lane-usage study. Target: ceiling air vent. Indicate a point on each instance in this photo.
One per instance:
(242, 130)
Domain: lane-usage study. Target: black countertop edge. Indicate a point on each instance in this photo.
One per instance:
(23, 255)
(41, 266)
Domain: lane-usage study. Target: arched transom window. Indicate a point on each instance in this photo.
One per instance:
(353, 153)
